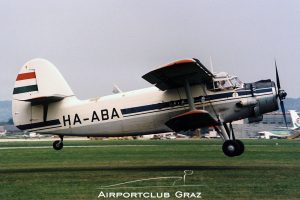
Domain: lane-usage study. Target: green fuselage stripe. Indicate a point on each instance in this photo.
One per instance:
(24, 89)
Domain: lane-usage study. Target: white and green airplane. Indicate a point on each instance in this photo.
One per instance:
(283, 132)
(185, 96)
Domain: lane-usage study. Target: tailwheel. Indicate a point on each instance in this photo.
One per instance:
(233, 148)
(58, 144)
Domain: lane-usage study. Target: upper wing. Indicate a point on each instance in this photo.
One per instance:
(175, 74)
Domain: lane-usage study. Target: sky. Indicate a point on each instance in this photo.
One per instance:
(98, 43)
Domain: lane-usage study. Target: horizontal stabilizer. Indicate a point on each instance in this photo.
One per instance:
(44, 100)
(191, 120)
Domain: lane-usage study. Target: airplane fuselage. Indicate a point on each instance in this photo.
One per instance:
(144, 111)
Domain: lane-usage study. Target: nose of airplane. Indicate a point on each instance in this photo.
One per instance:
(281, 94)
(266, 95)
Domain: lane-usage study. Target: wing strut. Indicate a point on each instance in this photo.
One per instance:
(189, 95)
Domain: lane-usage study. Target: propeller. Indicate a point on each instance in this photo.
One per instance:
(281, 94)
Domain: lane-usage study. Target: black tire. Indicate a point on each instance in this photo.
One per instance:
(242, 147)
(231, 148)
(58, 145)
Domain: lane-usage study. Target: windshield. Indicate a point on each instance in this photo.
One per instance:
(224, 83)
(236, 82)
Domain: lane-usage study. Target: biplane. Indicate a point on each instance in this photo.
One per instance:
(185, 96)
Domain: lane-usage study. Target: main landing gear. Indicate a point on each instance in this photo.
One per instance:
(231, 147)
(58, 144)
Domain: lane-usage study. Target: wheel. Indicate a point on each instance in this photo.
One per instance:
(242, 147)
(231, 148)
(58, 145)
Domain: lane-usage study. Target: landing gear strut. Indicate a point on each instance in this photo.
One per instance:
(58, 144)
(231, 147)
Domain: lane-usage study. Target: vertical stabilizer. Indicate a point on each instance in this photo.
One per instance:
(295, 119)
(37, 85)
(40, 78)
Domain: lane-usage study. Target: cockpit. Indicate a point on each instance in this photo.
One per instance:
(223, 81)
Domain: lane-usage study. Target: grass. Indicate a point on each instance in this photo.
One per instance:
(269, 169)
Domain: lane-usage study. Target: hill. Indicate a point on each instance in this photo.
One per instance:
(5, 111)
(292, 104)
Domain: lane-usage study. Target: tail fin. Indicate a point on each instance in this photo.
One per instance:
(295, 119)
(39, 78)
(38, 84)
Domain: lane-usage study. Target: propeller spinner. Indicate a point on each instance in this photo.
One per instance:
(281, 94)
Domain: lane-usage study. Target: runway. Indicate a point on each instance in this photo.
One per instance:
(41, 139)
(77, 146)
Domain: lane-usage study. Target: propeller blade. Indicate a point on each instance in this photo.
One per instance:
(281, 94)
(277, 77)
(283, 112)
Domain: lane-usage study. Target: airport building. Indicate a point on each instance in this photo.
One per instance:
(2, 130)
(276, 118)
(271, 121)
(242, 129)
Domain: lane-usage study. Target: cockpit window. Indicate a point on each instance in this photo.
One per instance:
(236, 83)
(225, 84)
(222, 84)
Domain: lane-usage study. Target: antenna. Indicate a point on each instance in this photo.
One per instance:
(211, 65)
